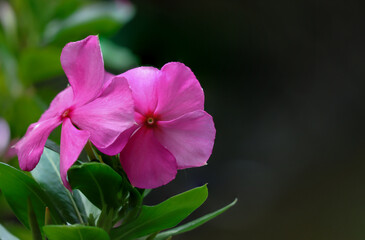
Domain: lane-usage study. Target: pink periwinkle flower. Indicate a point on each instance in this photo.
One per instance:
(95, 107)
(173, 131)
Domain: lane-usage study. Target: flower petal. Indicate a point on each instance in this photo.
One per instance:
(72, 143)
(118, 145)
(189, 138)
(108, 115)
(30, 147)
(146, 162)
(83, 64)
(142, 81)
(108, 77)
(178, 92)
(59, 104)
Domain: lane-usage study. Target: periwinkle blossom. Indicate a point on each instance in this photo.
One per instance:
(95, 107)
(173, 131)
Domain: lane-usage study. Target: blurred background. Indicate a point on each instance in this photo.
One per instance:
(284, 81)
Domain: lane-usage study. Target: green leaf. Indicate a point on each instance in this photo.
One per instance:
(74, 232)
(39, 64)
(5, 234)
(98, 182)
(117, 57)
(99, 18)
(162, 216)
(92, 212)
(193, 224)
(17, 187)
(21, 113)
(33, 223)
(47, 174)
(9, 66)
(65, 8)
(8, 23)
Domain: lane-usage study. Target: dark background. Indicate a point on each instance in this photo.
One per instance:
(284, 81)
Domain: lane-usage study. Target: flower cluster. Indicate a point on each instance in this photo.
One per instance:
(154, 118)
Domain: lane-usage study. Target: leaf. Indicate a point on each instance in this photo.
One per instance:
(74, 232)
(47, 174)
(9, 65)
(17, 187)
(39, 64)
(193, 224)
(6, 235)
(24, 111)
(98, 18)
(92, 212)
(52, 146)
(98, 182)
(65, 8)
(162, 216)
(8, 23)
(117, 57)
(33, 223)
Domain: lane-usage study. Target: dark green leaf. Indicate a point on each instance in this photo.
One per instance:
(5, 234)
(74, 232)
(33, 223)
(193, 224)
(98, 182)
(17, 187)
(162, 216)
(47, 174)
(98, 18)
(39, 64)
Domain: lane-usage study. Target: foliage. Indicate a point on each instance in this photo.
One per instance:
(121, 215)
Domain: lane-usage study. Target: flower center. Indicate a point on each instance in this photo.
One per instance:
(150, 121)
(66, 113)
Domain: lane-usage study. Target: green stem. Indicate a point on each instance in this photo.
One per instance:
(47, 217)
(91, 153)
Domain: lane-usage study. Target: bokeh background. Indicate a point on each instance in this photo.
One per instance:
(284, 81)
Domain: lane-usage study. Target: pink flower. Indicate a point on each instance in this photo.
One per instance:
(173, 132)
(96, 107)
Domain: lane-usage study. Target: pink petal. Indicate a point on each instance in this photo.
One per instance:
(72, 143)
(108, 77)
(108, 115)
(146, 162)
(142, 81)
(189, 138)
(30, 147)
(178, 92)
(118, 145)
(59, 104)
(83, 64)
